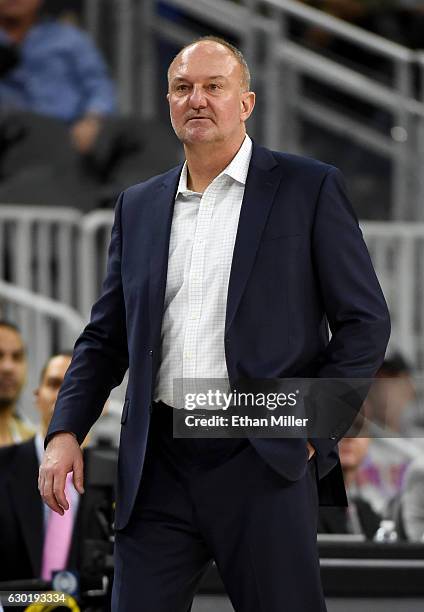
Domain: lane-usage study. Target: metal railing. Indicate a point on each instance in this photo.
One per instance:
(46, 325)
(62, 255)
(38, 247)
(397, 251)
(280, 67)
(95, 238)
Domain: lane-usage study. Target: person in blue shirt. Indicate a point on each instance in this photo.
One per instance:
(60, 73)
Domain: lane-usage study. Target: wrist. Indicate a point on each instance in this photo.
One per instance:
(56, 434)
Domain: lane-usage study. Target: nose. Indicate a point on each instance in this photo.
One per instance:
(197, 98)
(7, 366)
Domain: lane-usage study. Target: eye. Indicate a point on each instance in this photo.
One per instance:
(181, 87)
(213, 86)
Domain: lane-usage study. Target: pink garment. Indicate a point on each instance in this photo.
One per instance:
(58, 537)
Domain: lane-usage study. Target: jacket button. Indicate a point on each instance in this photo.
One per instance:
(333, 437)
(150, 352)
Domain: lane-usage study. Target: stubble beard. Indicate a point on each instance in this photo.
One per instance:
(6, 403)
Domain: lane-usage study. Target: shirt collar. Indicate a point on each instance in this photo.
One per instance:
(237, 169)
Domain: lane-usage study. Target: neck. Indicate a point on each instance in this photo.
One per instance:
(18, 28)
(206, 160)
(5, 417)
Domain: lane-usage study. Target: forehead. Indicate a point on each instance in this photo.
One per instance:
(10, 340)
(204, 60)
(57, 367)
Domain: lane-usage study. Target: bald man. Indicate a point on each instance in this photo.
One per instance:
(225, 267)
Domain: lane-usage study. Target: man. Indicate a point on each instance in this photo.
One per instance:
(34, 540)
(13, 375)
(60, 73)
(359, 518)
(276, 233)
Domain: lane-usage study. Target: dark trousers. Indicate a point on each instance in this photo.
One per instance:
(208, 499)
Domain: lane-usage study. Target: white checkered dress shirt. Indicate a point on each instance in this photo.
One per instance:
(203, 234)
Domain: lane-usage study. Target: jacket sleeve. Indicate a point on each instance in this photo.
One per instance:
(353, 301)
(100, 357)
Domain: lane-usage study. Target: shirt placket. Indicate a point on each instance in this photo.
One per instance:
(196, 286)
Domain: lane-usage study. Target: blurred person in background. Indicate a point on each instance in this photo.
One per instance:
(13, 376)
(411, 506)
(55, 99)
(61, 140)
(59, 72)
(359, 517)
(34, 541)
(389, 408)
(391, 401)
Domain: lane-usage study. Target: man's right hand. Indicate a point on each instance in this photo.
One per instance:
(62, 455)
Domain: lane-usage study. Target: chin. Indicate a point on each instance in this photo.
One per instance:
(194, 136)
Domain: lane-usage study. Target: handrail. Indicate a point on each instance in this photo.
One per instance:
(222, 13)
(388, 229)
(47, 326)
(367, 40)
(39, 213)
(359, 84)
(44, 305)
(223, 10)
(90, 223)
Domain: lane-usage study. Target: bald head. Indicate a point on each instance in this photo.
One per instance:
(212, 45)
(207, 97)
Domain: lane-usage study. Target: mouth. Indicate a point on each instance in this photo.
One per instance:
(7, 387)
(199, 119)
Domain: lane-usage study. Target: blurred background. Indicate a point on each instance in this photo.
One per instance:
(83, 115)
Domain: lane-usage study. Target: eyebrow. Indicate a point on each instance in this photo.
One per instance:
(54, 379)
(211, 78)
(14, 353)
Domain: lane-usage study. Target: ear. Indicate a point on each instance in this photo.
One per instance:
(247, 104)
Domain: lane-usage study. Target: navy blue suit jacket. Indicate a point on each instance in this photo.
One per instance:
(299, 261)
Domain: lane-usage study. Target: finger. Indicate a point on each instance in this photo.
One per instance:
(59, 481)
(78, 476)
(48, 496)
(40, 481)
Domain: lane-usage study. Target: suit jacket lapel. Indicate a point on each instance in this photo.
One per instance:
(161, 230)
(262, 182)
(28, 504)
